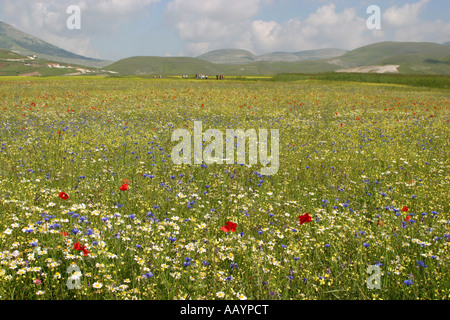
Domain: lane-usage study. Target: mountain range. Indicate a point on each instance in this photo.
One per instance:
(22, 43)
(394, 57)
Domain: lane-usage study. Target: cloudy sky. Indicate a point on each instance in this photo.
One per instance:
(116, 29)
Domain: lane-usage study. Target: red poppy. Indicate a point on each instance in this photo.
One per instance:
(405, 209)
(63, 233)
(125, 181)
(304, 218)
(78, 247)
(229, 226)
(408, 218)
(123, 187)
(63, 195)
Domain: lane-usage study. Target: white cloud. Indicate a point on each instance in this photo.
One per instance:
(406, 24)
(322, 29)
(406, 15)
(212, 24)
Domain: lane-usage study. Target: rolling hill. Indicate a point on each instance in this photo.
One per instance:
(411, 57)
(229, 56)
(14, 64)
(237, 56)
(22, 43)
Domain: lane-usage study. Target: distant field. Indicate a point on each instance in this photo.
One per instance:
(87, 179)
(428, 81)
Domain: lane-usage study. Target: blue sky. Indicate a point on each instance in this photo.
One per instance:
(116, 29)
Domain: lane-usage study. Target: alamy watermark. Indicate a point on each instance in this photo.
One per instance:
(182, 152)
(73, 282)
(74, 20)
(374, 281)
(374, 21)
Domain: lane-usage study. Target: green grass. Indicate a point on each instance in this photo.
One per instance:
(427, 81)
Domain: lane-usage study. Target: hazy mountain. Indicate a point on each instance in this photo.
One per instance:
(237, 56)
(229, 56)
(22, 43)
(14, 64)
(302, 55)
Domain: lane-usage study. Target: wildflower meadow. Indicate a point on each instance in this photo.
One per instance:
(93, 207)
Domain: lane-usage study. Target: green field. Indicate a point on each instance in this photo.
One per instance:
(87, 179)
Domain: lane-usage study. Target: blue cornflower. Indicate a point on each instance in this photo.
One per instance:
(366, 244)
(148, 275)
(75, 230)
(408, 282)
(421, 264)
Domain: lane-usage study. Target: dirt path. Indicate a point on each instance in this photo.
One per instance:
(373, 69)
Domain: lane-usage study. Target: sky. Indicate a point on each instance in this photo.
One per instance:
(117, 29)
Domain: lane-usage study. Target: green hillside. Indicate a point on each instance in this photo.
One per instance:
(413, 57)
(192, 66)
(165, 66)
(13, 64)
(15, 40)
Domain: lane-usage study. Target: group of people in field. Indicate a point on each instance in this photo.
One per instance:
(202, 76)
